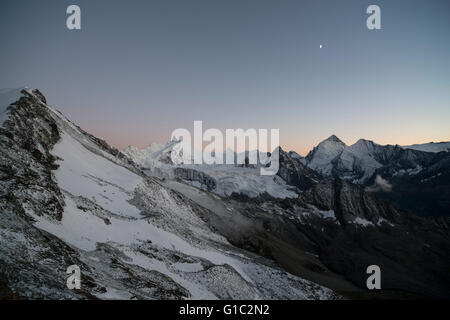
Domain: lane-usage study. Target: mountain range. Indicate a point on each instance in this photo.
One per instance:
(140, 227)
(415, 178)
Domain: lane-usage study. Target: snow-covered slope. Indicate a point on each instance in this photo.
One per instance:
(358, 161)
(430, 147)
(133, 238)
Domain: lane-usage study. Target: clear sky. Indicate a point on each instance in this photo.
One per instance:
(139, 69)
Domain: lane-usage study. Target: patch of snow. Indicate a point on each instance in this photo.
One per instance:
(381, 221)
(363, 222)
(409, 171)
(114, 294)
(416, 170)
(188, 267)
(325, 214)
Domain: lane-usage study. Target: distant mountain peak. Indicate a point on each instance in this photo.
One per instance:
(333, 138)
(364, 143)
(331, 143)
(324, 153)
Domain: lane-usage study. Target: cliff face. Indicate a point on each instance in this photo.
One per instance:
(412, 252)
(189, 174)
(26, 162)
(296, 173)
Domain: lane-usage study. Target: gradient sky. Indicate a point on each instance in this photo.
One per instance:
(139, 69)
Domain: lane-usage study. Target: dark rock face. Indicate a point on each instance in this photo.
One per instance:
(349, 229)
(349, 202)
(27, 184)
(26, 162)
(413, 253)
(193, 175)
(397, 157)
(296, 173)
(426, 192)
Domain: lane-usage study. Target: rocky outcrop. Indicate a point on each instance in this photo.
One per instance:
(424, 191)
(295, 173)
(26, 163)
(350, 203)
(189, 174)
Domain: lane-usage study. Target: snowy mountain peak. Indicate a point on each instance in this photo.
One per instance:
(10, 96)
(320, 157)
(363, 146)
(364, 141)
(333, 138)
(330, 144)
